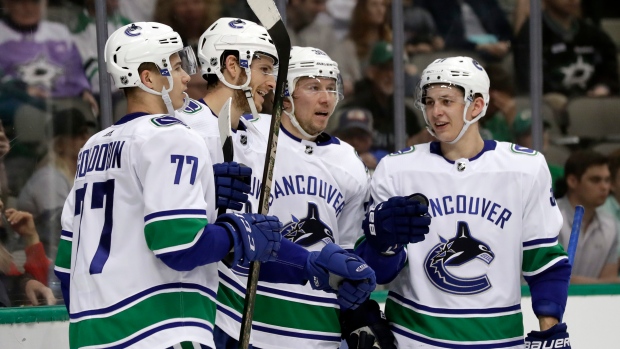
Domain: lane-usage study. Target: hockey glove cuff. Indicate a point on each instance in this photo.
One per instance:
(232, 184)
(256, 237)
(394, 223)
(335, 270)
(555, 337)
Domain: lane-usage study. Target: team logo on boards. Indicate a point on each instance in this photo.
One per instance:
(463, 248)
(308, 230)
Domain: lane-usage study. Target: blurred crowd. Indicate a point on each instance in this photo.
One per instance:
(49, 101)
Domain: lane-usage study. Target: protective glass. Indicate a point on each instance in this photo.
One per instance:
(316, 85)
(188, 60)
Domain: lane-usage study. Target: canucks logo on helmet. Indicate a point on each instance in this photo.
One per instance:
(308, 230)
(133, 30)
(459, 250)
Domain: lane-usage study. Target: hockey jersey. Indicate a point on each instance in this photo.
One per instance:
(318, 192)
(493, 217)
(143, 188)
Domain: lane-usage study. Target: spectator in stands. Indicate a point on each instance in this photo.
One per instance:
(15, 287)
(502, 109)
(138, 10)
(84, 33)
(46, 191)
(612, 204)
(421, 34)
(479, 26)
(355, 128)
(189, 18)
(376, 93)
(579, 59)
(5, 146)
(304, 30)
(587, 181)
(369, 25)
(39, 58)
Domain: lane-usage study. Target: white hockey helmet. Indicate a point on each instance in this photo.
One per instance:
(233, 34)
(244, 37)
(146, 42)
(314, 63)
(463, 72)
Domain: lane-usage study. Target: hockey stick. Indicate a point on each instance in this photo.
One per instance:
(268, 14)
(574, 234)
(223, 125)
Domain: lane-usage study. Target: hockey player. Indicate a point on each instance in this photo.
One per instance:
(320, 186)
(493, 218)
(237, 59)
(138, 250)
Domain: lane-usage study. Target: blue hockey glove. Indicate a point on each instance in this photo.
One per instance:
(256, 237)
(232, 184)
(366, 327)
(335, 270)
(397, 222)
(555, 337)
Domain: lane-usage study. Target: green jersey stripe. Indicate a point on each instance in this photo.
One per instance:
(463, 329)
(172, 233)
(162, 307)
(537, 258)
(284, 313)
(63, 256)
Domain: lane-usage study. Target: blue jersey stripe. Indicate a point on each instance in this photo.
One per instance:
(142, 294)
(284, 293)
(174, 213)
(428, 341)
(160, 328)
(540, 242)
(516, 307)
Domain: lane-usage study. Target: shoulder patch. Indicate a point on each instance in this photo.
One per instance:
(167, 120)
(193, 107)
(522, 150)
(411, 149)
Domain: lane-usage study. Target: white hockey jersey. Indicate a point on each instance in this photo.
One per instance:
(143, 187)
(493, 216)
(318, 192)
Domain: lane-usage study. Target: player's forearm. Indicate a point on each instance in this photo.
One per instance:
(212, 246)
(549, 290)
(546, 322)
(386, 267)
(289, 267)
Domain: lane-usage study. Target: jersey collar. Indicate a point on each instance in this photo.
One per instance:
(129, 117)
(322, 139)
(489, 145)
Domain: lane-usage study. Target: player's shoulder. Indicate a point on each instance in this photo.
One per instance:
(262, 122)
(519, 155)
(194, 107)
(149, 126)
(407, 154)
(339, 153)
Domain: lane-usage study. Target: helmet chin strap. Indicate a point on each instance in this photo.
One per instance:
(466, 124)
(247, 90)
(165, 95)
(294, 121)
